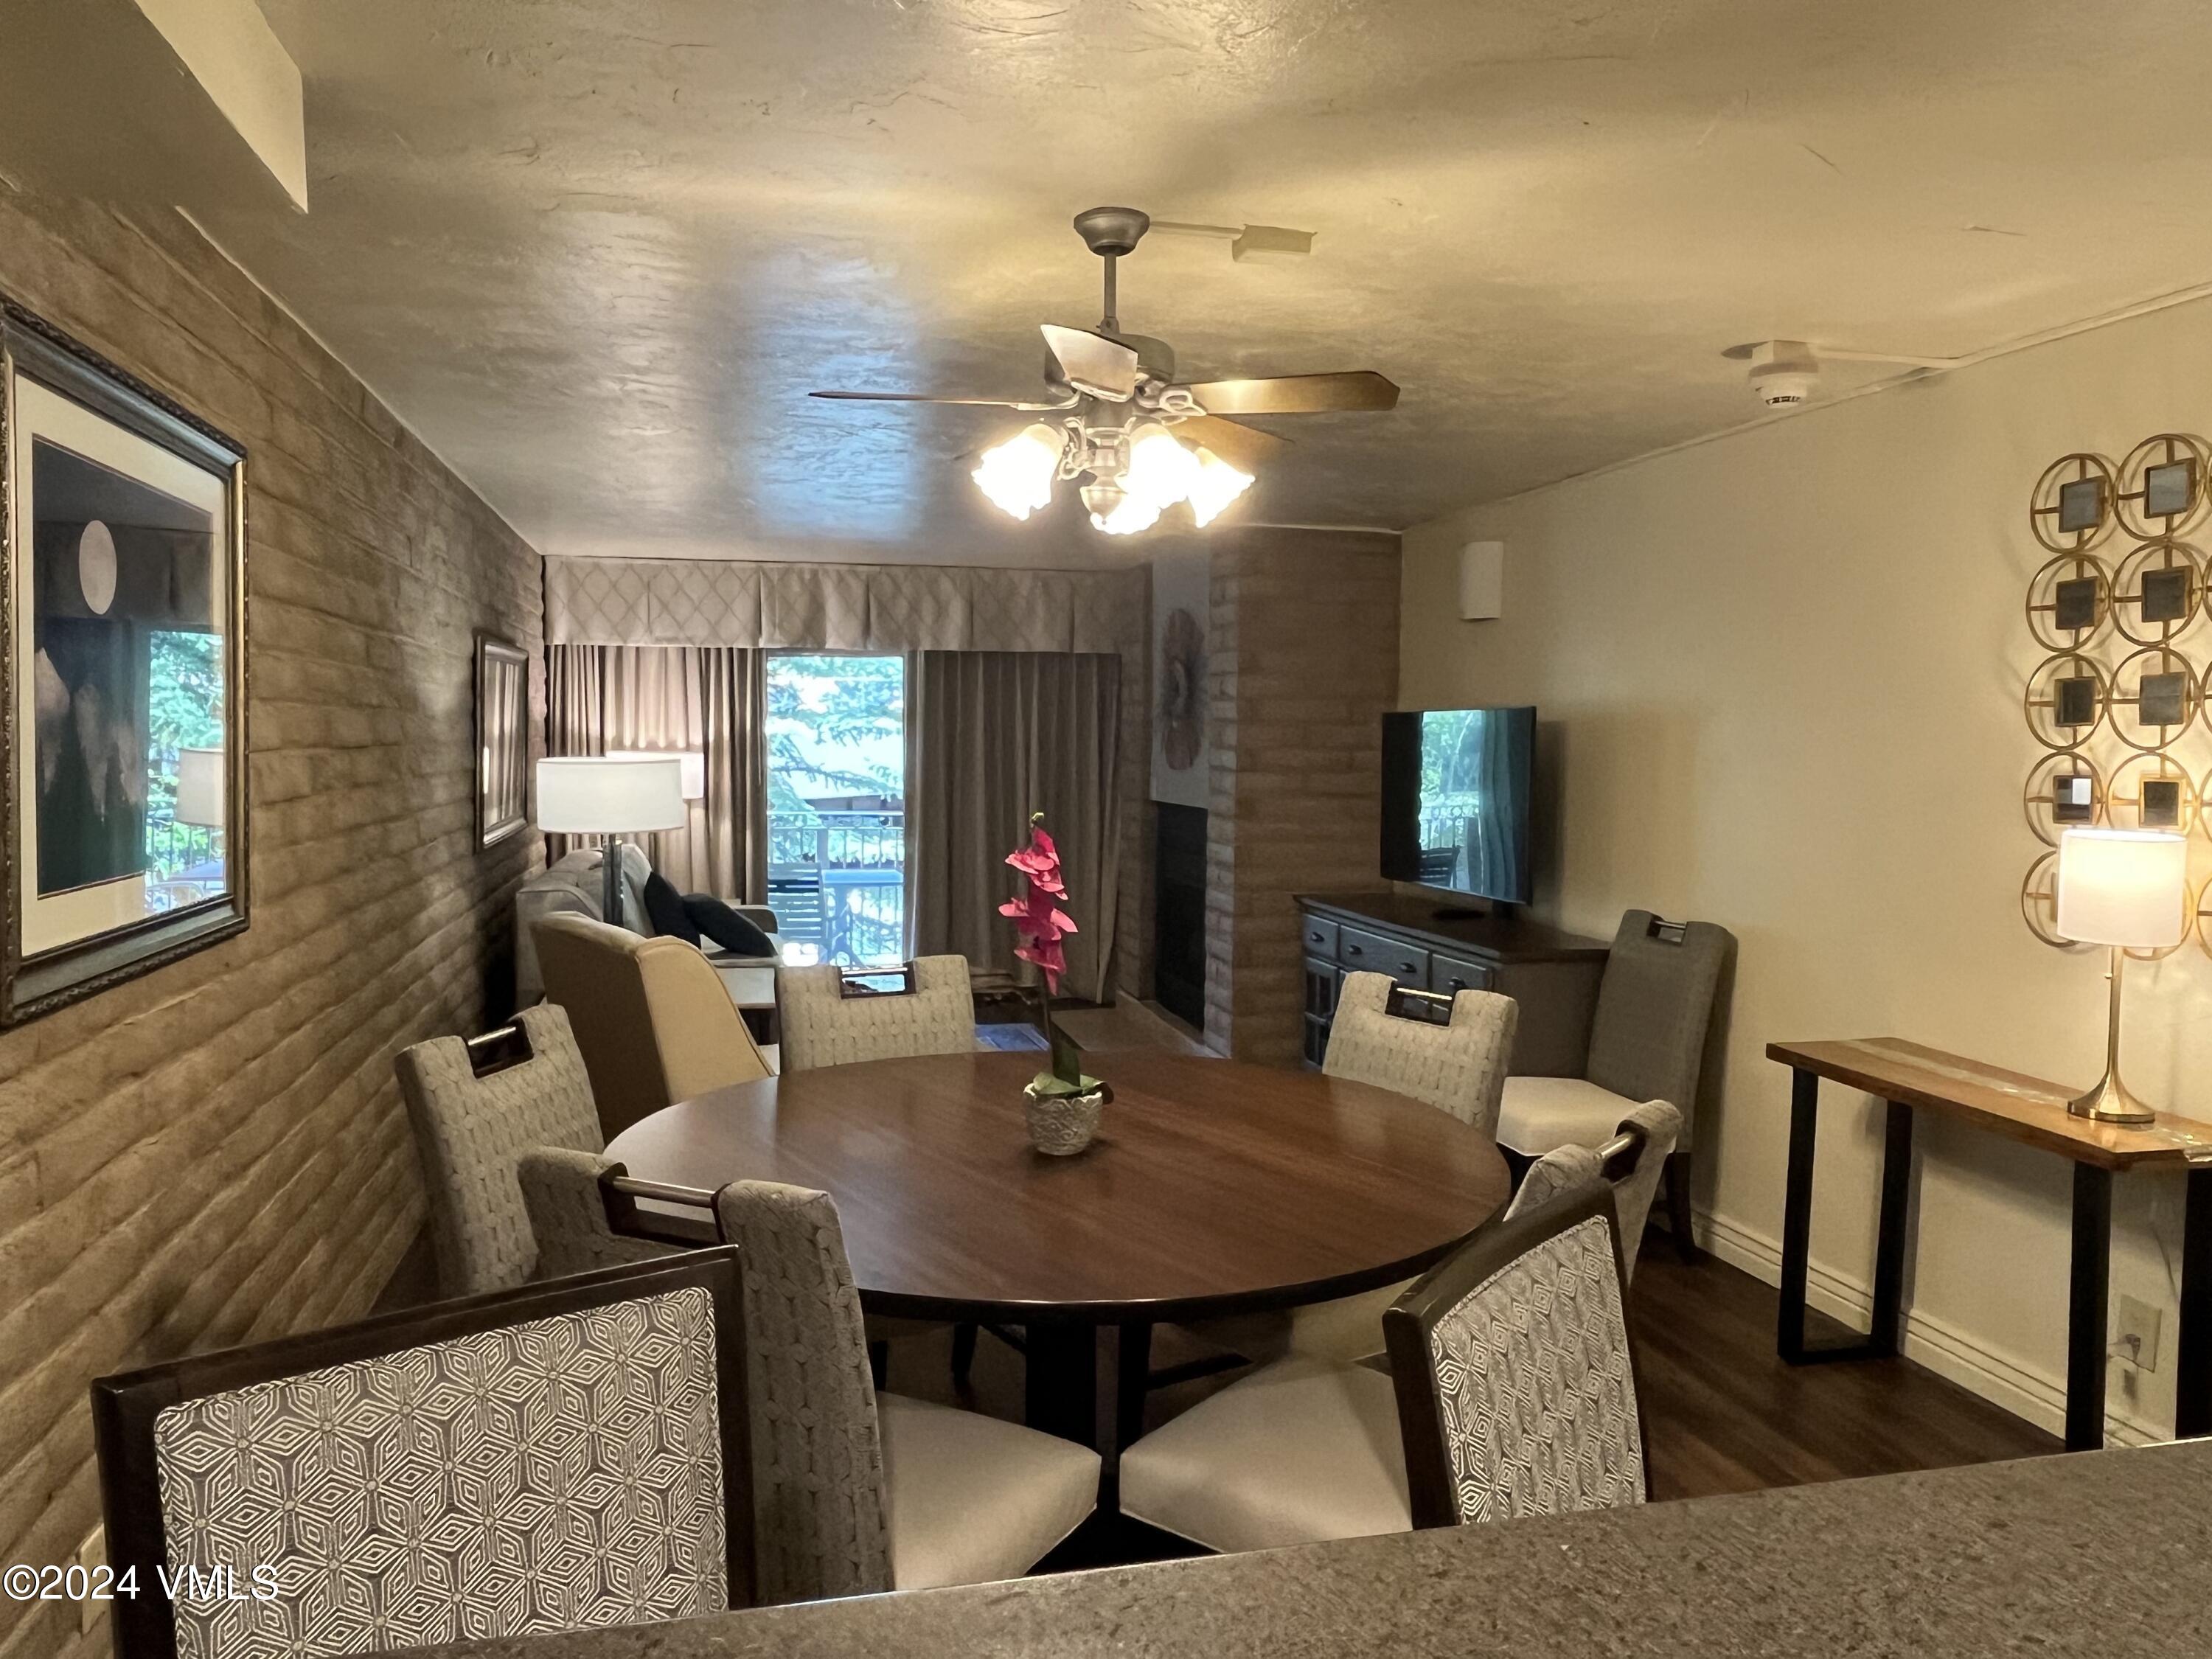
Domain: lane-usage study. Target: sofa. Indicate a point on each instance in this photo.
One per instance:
(573, 886)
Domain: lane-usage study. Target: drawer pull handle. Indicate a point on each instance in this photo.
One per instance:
(1353, 951)
(1459, 985)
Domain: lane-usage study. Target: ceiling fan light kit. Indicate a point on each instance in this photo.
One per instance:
(1115, 404)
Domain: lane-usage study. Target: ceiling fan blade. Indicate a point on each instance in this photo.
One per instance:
(927, 398)
(1296, 394)
(1092, 363)
(1245, 447)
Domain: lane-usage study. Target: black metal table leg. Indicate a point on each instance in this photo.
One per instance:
(2085, 1308)
(1060, 1390)
(1881, 1341)
(2192, 1405)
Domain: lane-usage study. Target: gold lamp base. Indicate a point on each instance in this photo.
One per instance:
(2111, 1101)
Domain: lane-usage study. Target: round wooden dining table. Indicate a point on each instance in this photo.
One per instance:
(1213, 1188)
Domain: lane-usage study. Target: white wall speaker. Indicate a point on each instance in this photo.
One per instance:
(1481, 581)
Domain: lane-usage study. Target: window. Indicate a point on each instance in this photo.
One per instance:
(837, 807)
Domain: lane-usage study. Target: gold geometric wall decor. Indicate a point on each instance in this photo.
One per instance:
(2070, 508)
(2152, 792)
(2064, 702)
(2160, 486)
(2152, 698)
(2064, 790)
(2070, 600)
(2115, 709)
(2039, 903)
(2158, 591)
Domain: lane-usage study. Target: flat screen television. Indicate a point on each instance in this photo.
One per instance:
(1456, 794)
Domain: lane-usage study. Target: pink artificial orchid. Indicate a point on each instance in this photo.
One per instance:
(1039, 923)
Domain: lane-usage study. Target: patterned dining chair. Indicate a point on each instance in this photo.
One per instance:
(582, 1223)
(827, 1019)
(476, 1107)
(861, 1492)
(444, 1474)
(1450, 1052)
(1509, 1392)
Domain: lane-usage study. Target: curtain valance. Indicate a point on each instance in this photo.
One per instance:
(841, 607)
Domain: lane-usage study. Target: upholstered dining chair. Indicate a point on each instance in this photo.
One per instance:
(1656, 1007)
(860, 1492)
(1450, 1052)
(471, 1127)
(1511, 1393)
(651, 1017)
(260, 1457)
(825, 1021)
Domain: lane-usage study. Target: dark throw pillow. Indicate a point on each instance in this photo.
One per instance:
(726, 926)
(664, 909)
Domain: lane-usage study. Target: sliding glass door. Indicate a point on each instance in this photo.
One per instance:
(836, 806)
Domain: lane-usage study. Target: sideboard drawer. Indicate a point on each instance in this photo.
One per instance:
(1449, 975)
(1321, 939)
(1361, 952)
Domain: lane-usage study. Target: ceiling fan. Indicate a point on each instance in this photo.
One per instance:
(1141, 440)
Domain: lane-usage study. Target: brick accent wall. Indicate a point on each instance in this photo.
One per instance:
(217, 1152)
(1302, 663)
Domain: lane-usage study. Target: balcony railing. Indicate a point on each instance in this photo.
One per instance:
(837, 881)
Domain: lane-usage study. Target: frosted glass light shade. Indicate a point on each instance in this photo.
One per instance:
(1018, 474)
(601, 795)
(199, 788)
(694, 766)
(2122, 887)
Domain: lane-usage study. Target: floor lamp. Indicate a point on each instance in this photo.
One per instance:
(611, 797)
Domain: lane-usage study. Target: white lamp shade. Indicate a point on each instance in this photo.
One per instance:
(601, 795)
(199, 788)
(2122, 887)
(694, 766)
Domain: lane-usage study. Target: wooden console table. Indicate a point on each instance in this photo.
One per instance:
(2025, 1108)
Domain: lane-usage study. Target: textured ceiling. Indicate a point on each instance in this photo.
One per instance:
(596, 250)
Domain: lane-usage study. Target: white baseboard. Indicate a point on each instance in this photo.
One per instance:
(2030, 1394)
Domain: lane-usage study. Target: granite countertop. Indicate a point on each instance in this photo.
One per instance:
(2100, 1553)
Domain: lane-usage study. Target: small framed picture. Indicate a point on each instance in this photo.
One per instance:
(2162, 699)
(2162, 803)
(2073, 798)
(2073, 603)
(122, 673)
(2169, 489)
(2081, 505)
(2165, 595)
(2074, 700)
(503, 739)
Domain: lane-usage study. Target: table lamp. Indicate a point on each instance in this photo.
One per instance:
(2126, 889)
(694, 766)
(605, 795)
(199, 788)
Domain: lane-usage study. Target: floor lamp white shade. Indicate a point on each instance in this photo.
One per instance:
(694, 766)
(2124, 887)
(2127, 888)
(200, 789)
(602, 795)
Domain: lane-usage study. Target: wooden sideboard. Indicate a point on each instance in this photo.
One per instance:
(1553, 976)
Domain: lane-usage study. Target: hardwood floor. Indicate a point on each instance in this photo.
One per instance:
(1722, 1412)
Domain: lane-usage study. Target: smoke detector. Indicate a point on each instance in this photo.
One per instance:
(1784, 372)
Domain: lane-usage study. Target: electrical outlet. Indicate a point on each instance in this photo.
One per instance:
(91, 1555)
(2135, 1342)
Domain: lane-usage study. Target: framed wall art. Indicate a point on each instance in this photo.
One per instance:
(123, 804)
(503, 739)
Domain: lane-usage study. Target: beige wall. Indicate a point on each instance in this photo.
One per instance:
(1786, 669)
(216, 1152)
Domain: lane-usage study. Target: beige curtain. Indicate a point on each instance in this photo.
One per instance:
(712, 699)
(993, 736)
